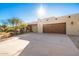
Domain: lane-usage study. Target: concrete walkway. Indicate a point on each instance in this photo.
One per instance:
(48, 45)
(13, 46)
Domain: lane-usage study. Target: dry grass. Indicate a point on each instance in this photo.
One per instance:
(5, 35)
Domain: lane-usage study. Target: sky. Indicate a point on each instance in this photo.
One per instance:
(28, 12)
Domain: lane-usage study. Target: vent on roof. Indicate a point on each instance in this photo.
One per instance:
(69, 16)
(47, 20)
(55, 18)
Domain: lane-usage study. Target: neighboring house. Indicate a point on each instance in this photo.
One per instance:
(64, 25)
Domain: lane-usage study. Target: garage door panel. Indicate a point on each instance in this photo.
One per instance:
(55, 28)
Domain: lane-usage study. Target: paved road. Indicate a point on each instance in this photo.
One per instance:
(48, 45)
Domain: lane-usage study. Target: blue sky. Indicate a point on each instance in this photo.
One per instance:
(28, 11)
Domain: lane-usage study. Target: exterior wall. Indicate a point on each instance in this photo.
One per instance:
(71, 29)
(34, 28)
(48, 21)
(40, 27)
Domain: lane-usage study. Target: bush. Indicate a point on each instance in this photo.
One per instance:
(6, 34)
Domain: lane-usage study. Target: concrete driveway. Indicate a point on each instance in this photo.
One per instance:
(48, 45)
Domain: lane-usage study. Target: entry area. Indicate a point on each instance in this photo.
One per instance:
(55, 28)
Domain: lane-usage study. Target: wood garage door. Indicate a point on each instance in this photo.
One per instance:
(55, 28)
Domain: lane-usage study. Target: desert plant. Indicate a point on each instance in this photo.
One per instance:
(13, 25)
(3, 28)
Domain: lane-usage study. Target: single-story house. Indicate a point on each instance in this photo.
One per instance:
(64, 25)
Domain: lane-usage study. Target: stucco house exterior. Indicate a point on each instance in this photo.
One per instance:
(34, 27)
(64, 25)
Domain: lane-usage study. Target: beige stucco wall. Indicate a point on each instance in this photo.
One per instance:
(40, 26)
(70, 29)
(49, 21)
(34, 28)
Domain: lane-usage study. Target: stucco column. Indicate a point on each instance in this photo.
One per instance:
(40, 27)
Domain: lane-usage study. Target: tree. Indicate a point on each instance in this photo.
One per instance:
(23, 25)
(14, 21)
